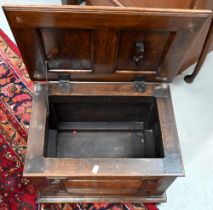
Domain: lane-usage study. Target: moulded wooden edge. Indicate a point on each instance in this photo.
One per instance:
(67, 198)
(65, 8)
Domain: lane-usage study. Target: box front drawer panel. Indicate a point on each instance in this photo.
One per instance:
(110, 187)
(103, 186)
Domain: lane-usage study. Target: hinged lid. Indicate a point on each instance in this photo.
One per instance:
(104, 43)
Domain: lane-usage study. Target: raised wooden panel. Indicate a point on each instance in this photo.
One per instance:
(109, 187)
(155, 45)
(67, 48)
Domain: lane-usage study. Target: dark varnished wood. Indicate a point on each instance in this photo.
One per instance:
(109, 111)
(111, 128)
(101, 89)
(105, 25)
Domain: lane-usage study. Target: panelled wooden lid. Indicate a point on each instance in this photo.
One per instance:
(103, 43)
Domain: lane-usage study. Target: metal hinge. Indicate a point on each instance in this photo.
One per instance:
(140, 85)
(64, 83)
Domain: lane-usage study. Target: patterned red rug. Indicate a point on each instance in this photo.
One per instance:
(16, 192)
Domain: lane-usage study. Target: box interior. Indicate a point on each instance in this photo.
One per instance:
(103, 127)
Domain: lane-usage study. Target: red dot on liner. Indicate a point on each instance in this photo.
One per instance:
(74, 132)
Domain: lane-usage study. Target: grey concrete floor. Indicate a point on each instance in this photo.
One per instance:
(193, 105)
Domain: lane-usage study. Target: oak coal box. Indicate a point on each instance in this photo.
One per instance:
(102, 125)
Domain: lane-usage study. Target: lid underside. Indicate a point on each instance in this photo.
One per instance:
(104, 43)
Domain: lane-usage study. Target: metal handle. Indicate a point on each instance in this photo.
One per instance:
(139, 53)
